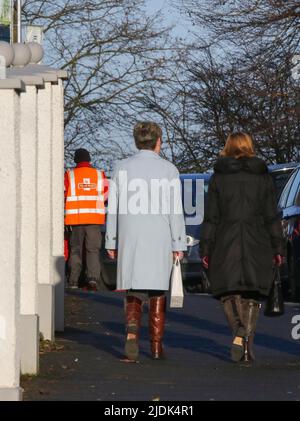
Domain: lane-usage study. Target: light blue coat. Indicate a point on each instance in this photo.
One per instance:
(145, 241)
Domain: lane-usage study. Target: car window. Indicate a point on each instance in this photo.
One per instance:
(280, 179)
(286, 190)
(294, 188)
(297, 197)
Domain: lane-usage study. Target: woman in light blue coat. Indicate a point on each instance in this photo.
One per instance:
(145, 231)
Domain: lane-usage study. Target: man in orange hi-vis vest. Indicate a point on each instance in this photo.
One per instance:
(85, 193)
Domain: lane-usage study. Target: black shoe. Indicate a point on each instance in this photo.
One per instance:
(92, 285)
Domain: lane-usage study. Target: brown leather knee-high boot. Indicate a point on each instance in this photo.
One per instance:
(157, 315)
(133, 310)
(232, 306)
(250, 316)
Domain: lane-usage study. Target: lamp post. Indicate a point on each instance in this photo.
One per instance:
(16, 21)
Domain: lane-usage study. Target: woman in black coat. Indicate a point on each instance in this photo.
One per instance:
(241, 238)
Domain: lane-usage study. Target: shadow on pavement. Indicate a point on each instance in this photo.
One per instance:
(195, 343)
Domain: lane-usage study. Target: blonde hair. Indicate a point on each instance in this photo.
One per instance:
(238, 145)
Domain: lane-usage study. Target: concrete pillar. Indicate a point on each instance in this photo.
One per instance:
(58, 262)
(29, 333)
(10, 212)
(44, 213)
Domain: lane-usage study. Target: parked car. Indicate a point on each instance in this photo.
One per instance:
(193, 273)
(289, 208)
(280, 174)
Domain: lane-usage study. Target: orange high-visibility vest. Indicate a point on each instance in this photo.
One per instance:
(85, 197)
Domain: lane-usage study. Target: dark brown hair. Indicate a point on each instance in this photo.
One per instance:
(146, 134)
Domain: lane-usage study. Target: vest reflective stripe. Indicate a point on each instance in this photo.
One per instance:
(72, 183)
(100, 182)
(84, 198)
(81, 211)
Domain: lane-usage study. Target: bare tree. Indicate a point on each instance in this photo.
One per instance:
(240, 22)
(235, 76)
(112, 51)
(205, 100)
(261, 99)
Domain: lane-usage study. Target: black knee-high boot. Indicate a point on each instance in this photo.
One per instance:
(250, 316)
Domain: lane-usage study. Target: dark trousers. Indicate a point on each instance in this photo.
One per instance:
(90, 237)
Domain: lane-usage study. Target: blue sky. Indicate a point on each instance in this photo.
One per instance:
(171, 15)
(154, 5)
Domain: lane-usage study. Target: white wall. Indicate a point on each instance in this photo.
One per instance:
(10, 212)
(31, 213)
(28, 184)
(58, 263)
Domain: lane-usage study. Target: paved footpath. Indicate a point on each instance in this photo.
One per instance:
(87, 366)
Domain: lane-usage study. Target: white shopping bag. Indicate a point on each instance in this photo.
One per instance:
(176, 286)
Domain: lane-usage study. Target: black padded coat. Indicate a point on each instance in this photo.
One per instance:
(241, 230)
